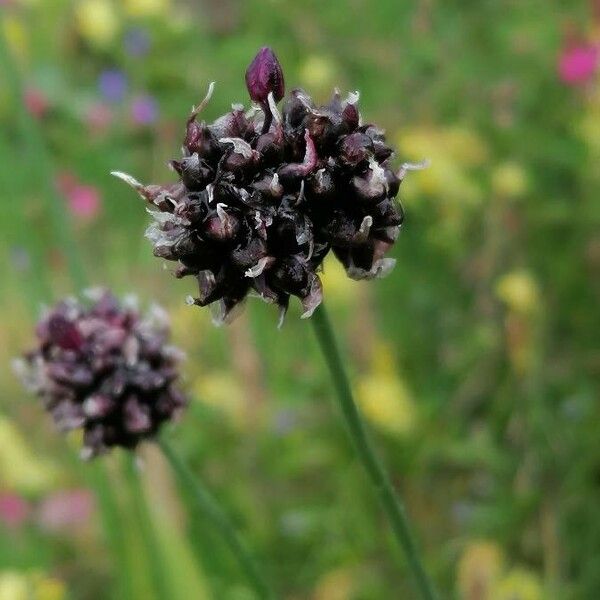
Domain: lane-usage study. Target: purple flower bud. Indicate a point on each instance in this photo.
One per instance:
(265, 75)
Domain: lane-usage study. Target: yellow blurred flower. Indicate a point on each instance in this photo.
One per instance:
(509, 180)
(16, 36)
(13, 586)
(518, 584)
(479, 568)
(336, 585)
(384, 397)
(318, 73)
(97, 21)
(588, 128)
(49, 588)
(453, 152)
(519, 291)
(146, 8)
(338, 287)
(185, 320)
(221, 390)
(19, 468)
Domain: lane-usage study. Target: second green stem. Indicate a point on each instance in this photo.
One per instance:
(209, 507)
(362, 444)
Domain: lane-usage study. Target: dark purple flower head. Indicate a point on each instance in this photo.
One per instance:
(263, 196)
(263, 76)
(103, 367)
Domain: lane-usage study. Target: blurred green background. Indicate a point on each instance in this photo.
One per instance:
(476, 362)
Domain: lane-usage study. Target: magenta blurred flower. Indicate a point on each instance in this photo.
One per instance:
(14, 509)
(66, 509)
(144, 110)
(98, 118)
(84, 201)
(578, 63)
(112, 84)
(36, 103)
(137, 42)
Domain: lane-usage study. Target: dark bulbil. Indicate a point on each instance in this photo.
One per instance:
(106, 369)
(263, 196)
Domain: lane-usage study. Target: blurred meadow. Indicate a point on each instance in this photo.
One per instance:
(476, 362)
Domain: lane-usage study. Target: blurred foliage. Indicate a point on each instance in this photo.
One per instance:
(476, 361)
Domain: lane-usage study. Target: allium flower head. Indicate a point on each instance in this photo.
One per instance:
(263, 195)
(103, 367)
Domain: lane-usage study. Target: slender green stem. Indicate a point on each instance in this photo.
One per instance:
(363, 446)
(145, 526)
(207, 506)
(112, 526)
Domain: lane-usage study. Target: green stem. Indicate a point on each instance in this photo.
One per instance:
(145, 526)
(208, 507)
(112, 526)
(392, 504)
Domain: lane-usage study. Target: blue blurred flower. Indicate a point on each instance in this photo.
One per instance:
(144, 110)
(137, 42)
(112, 84)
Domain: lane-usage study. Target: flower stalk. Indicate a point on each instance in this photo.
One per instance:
(146, 527)
(380, 480)
(206, 505)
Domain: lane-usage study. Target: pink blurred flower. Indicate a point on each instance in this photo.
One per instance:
(66, 509)
(36, 102)
(84, 201)
(578, 63)
(98, 118)
(144, 110)
(14, 509)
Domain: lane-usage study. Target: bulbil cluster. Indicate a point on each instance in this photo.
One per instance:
(264, 195)
(102, 367)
